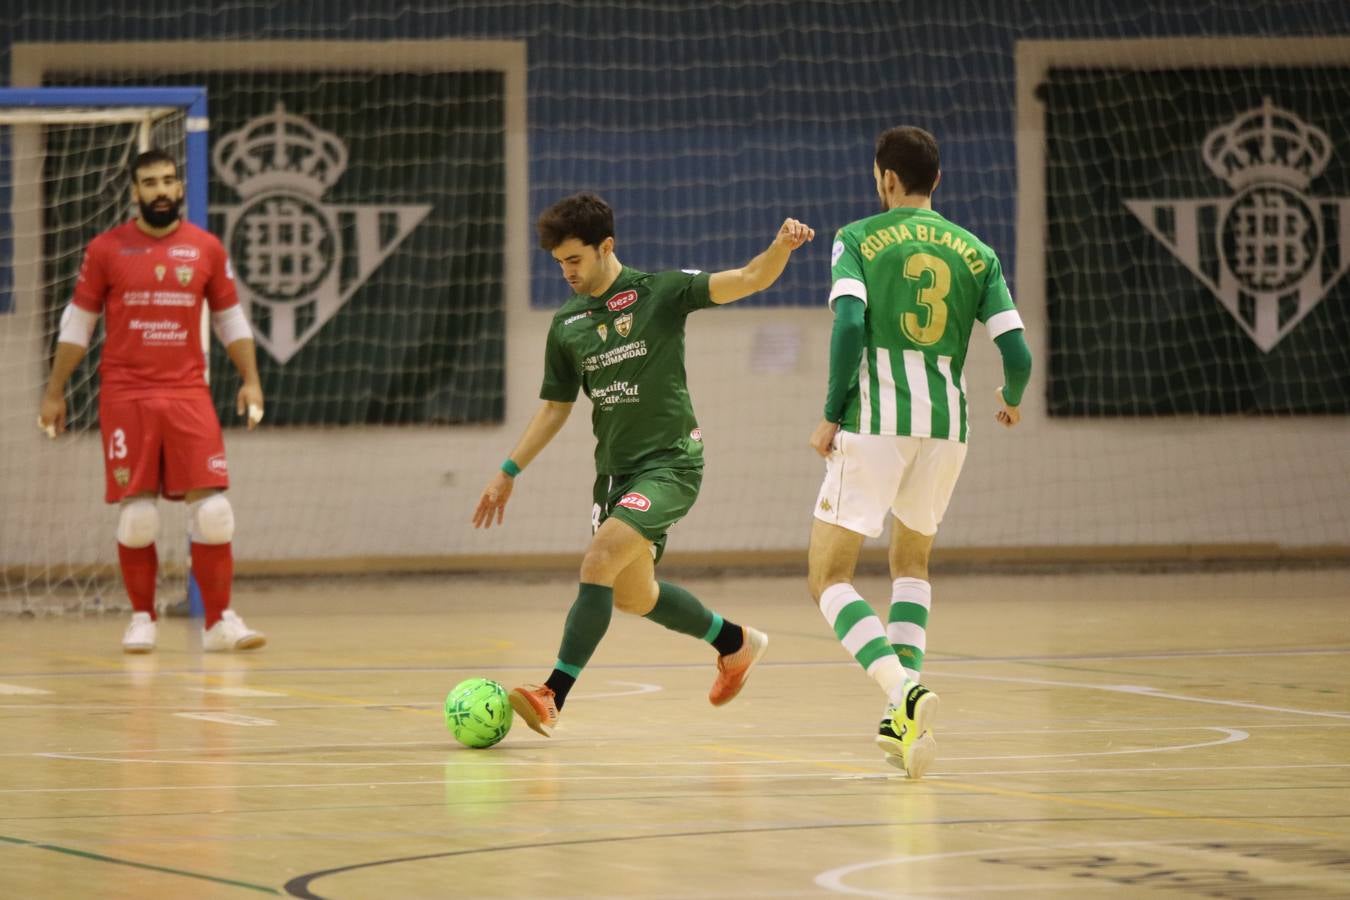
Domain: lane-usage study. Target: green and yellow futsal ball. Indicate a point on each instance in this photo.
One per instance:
(478, 712)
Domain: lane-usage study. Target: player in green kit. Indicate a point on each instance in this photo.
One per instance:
(908, 288)
(620, 338)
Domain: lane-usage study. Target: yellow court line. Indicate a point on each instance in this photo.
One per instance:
(220, 679)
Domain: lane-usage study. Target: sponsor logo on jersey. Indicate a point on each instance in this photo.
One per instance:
(122, 475)
(634, 501)
(696, 435)
(603, 330)
(184, 274)
(184, 253)
(825, 505)
(836, 252)
(612, 357)
(218, 465)
(133, 251)
(296, 249)
(159, 272)
(229, 269)
(581, 315)
(623, 324)
(1263, 251)
(172, 298)
(158, 332)
(616, 393)
(621, 301)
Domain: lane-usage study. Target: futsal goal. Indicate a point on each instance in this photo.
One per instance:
(64, 154)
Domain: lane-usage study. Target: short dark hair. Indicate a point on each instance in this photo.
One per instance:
(912, 154)
(153, 156)
(582, 216)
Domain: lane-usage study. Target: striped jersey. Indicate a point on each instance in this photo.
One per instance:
(925, 282)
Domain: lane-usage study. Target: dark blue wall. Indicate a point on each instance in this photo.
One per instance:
(705, 123)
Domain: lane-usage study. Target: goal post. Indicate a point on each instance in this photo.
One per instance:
(64, 153)
(141, 107)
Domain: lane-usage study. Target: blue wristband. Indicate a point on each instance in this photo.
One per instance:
(510, 467)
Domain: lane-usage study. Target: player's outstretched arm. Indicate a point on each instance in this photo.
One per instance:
(545, 424)
(763, 270)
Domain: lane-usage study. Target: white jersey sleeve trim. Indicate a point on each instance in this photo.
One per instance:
(77, 326)
(1002, 323)
(230, 325)
(848, 287)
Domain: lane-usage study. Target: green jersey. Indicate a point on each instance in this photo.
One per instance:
(626, 350)
(925, 282)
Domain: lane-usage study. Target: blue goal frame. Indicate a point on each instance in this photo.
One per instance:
(191, 99)
(196, 166)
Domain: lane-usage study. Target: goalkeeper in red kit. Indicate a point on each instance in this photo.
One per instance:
(148, 278)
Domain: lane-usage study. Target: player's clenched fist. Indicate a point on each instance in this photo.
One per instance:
(793, 233)
(1007, 416)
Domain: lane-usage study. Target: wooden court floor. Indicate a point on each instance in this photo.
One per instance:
(1105, 735)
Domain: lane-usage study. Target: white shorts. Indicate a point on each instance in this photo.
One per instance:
(867, 474)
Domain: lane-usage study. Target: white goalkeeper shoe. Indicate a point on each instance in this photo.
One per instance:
(140, 634)
(230, 633)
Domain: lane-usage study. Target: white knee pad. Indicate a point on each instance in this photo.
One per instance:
(138, 523)
(211, 521)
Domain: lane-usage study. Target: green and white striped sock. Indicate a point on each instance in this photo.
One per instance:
(911, 599)
(860, 631)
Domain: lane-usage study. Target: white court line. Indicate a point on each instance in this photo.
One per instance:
(421, 782)
(710, 777)
(833, 879)
(251, 748)
(1231, 735)
(240, 692)
(20, 689)
(936, 659)
(225, 718)
(1005, 773)
(608, 736)
(442, 764)
(638, 688)
(1143, 691)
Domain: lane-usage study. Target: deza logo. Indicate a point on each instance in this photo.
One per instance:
(1270, 252)
(621, 301)
(635, 501)
(299, 258)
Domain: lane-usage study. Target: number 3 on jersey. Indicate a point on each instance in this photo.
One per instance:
(932, 296)
(117, 444)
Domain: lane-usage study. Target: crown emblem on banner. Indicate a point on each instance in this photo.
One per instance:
(278, 149)
(298, 256)
(1267, 144)
(1265, 252)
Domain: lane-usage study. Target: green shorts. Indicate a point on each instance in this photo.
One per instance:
(650, 501)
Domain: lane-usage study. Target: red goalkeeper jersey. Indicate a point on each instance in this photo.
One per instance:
(150, 292)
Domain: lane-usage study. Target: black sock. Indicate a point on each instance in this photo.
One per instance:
(560, 683)
(730, 638)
